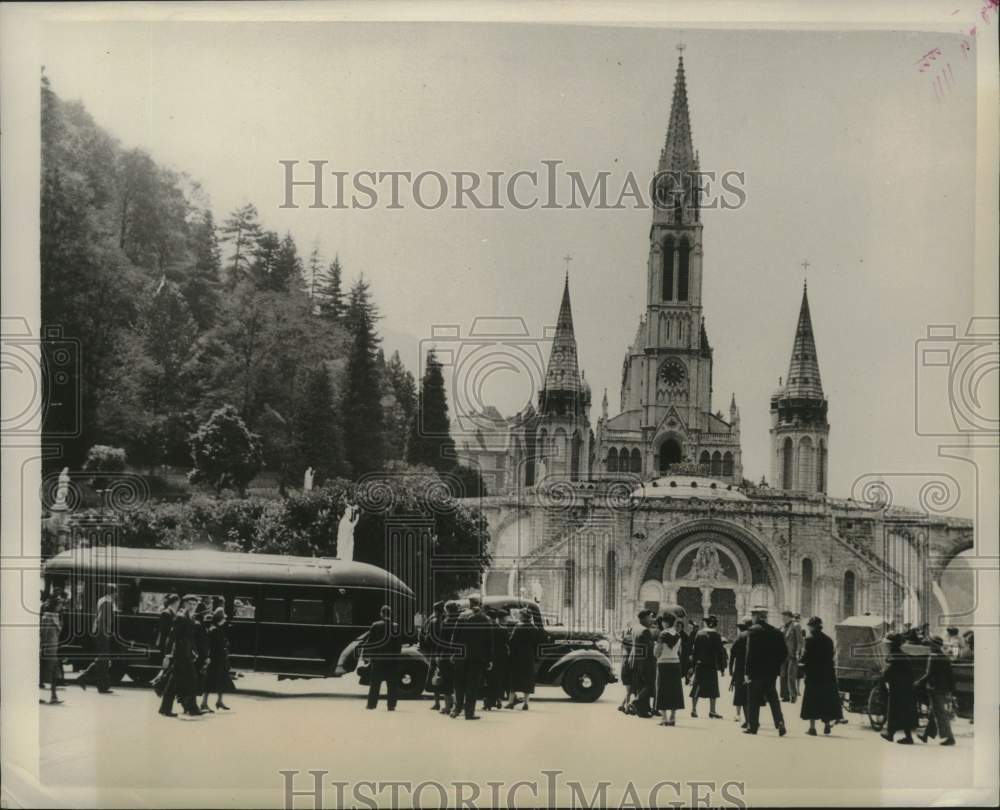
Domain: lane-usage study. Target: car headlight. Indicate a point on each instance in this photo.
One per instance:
(603, 645)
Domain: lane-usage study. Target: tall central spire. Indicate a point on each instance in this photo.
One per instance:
(678, 153)
(803, 379)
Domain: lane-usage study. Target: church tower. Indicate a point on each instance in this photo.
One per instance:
(666, 401)
(800, 432)
(562, 426)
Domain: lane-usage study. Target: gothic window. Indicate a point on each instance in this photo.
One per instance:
(574, 469)
(668, 270)
(716, 463)
(705, 459)
(569, 575)
(636, 461)
(610, 580)
(807, 473)
(684, 251)
(678, 209)
(727, 464)
(806, 593)
(787, 461)
(670, 453)
(821, 467)
(847, 603)
(612, 460)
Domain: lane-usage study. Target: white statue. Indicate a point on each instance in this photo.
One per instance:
(345, 532)
(62, 490)
(307, 480)
(707, 565)
(536, 590)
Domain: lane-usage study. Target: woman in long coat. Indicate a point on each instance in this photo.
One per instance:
(523, 645)
(628, 669)
(218, 662)
(821, 700)
(901, 708)
(737, 668)
(709, 659)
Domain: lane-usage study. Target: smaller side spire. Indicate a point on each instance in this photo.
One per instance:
(803, 381)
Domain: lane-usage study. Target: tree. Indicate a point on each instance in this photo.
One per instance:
(265, 260)
(361, 403)
(329, 293)
(201, 280)
(399, 416)
(225, 453)
(243, 230)
(317, 428)
(430, 438)
(314, 273)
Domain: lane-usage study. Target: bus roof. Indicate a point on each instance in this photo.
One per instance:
(186, 564)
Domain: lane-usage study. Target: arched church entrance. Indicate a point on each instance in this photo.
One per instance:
(670, 453)
(708, 571)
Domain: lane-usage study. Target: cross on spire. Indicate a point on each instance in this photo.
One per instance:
(805, 271)
(567, 258)
(680, 47)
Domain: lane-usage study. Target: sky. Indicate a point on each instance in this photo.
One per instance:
(852, 160)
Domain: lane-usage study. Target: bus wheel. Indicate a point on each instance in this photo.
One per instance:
(584, 682)
(412, 677)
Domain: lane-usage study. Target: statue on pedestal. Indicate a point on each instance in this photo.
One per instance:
(345, 532)
(536, 590)
(62, 490)
(307, 480)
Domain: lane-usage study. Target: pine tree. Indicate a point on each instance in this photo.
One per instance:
(287, 271)
(265, 259)
(361, 404)
(403, 388)
(430, 438)
(243, 230)
(329, 292)
(317, 428)
(314, 273)
(201, 283)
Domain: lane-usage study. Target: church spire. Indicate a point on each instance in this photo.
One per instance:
(803, 381)
(563, 372)
(678, 153)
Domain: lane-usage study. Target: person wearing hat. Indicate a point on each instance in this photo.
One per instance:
(766, 652)
(202, 621)
(218, 660)
(446, 649)
(474, 637)
(792, 632)
(737, 668)
(525, 640)
(180, 663)
(821, 698)
(383, 648)
(897, 680)
(644, 667)
(939, 681)
(709, 660)
(50, 629)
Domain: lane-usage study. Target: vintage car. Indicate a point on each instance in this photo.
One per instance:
(861, 657)
(577, 660)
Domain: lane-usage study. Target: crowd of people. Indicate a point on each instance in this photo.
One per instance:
(660, 658)
(471, 655)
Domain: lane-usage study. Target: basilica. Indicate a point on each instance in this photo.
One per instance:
(649, 506)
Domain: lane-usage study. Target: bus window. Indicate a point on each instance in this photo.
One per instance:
(307, 611)
(128, 597)
(343, 611)
(273, 610)
(151, 601)
(244, 607)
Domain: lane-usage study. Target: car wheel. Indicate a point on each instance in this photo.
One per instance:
(584, 682)
(412, 678)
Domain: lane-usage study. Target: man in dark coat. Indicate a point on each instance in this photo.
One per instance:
(737, 668)
(939, 681)
(383, 648)
(497, 677)
(180, 662)
(709, 660)
(166, 622)
(644, 667)
(446, 653)
(103, 632)
(474, 636)
(765, 653)
(821, 698)
(792, 632)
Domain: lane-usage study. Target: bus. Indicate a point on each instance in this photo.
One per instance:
(291, 616)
